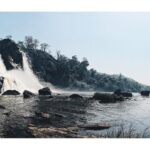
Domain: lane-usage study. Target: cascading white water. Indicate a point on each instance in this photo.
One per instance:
(18, 79)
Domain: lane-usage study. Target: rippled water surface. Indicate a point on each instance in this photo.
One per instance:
(66, 112)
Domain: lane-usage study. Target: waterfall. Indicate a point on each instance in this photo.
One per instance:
(19, 79)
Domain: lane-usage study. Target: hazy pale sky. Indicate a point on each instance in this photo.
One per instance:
(112, 42)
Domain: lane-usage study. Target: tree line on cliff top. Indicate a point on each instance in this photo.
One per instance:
(71, 73)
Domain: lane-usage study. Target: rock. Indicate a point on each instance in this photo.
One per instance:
(28, 94)
(2, 107)
(75, 96)
(124, 94)
(1, 83)
(107, 98)
(45, 115)
(11, 92)
(7, 113)
(41, 114)
(145, 93)
(53, 132)
(95, 127)
(45, 91)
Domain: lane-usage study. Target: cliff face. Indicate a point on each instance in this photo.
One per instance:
(65, 72)
(10, 54)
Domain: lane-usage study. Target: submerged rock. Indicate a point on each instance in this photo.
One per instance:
(95, 127)
(145, 93)
(28, 94)
(45, 91)
(43, 115)
(11, 92)
(107, 98)
(74, 96)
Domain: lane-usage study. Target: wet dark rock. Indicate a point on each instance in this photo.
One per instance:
(7, 113)
(58, 115)
(1, 83)
(28, 94)
(10, 54)
(42, 118)
(11, 92)
(95, 127)
(74, 96)
(2, 107)
(38, 114)
(107, 98)
(124, 94)
(45, 91)
(45, 115)
(41, 114)
(145, 93)
(17, 131)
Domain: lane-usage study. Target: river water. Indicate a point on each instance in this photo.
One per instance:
(66, 112)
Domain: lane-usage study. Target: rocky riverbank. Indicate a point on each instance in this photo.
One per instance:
(49, 115)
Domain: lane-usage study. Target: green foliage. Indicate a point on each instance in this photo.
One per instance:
(71, 73)
(74, 74)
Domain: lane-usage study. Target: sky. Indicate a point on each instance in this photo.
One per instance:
(112, 42)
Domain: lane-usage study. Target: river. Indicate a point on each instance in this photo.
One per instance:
(64, 112)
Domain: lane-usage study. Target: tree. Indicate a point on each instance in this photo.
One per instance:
(29, 42)
(21, 44)
(44, 46)
(35, 43)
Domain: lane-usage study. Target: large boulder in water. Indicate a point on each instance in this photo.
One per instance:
(28, 94)
(11, 92)
(107, 98)
(145, 93)
(10, 54)
(76, 96)
(45, 91)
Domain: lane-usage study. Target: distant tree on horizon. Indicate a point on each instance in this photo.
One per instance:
(44, 46)
(35, 43)
(29, 42)
(21, 44)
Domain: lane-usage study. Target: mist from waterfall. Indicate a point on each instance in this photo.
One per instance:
(19, 79)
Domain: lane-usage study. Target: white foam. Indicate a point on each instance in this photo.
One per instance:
(18, 79)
